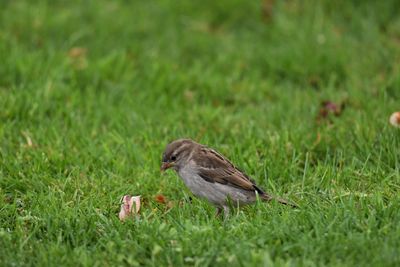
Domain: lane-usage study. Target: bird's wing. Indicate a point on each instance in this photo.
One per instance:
(215, 168)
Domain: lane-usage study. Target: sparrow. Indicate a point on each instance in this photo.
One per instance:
(211, 176)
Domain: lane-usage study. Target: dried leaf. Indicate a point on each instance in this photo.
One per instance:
(77, 52)
(28, 139)
(317, 140)
(332, 107)
(267, 7)
(78, 57)
(189, 95)
(161, 199)
(314, 81)
(329, 108)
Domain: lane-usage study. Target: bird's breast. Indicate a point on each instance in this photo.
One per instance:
(214, 192)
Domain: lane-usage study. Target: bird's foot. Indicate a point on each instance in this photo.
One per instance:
(226, 212)
(218, 212)
(225, 209)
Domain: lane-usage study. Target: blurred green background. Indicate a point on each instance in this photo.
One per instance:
(92, 91)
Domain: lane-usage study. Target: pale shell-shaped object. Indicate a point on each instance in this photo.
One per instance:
(130, 206)
(395, 119)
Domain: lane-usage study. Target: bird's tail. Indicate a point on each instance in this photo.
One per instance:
(268, 198)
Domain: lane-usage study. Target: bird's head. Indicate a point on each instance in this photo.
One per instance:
(177, 153)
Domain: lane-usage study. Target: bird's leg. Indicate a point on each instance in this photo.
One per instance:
(218, 213)
(226, 212)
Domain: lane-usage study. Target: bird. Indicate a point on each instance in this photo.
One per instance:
(211, 176)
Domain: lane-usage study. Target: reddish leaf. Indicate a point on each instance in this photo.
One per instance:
(329, 108)
(161, 199)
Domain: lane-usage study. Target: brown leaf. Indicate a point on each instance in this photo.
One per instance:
(314, 81)
(317, 140)
(332, 107)
(329, 108)
(78, 58)
(161, 199)
(267, 6)
(189, 95)
(77, 52)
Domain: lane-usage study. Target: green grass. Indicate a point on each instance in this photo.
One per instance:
(79, 131)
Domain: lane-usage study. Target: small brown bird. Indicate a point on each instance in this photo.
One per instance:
(211, 176)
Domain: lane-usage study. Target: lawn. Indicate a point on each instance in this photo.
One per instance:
(92, 91)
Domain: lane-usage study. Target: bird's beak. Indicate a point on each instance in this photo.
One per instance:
(166, 165)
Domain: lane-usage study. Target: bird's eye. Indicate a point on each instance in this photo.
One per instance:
(173, 158)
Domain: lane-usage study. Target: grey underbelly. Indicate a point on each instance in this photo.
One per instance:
(216, 193)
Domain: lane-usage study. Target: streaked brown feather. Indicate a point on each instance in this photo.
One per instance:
(215, 168)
